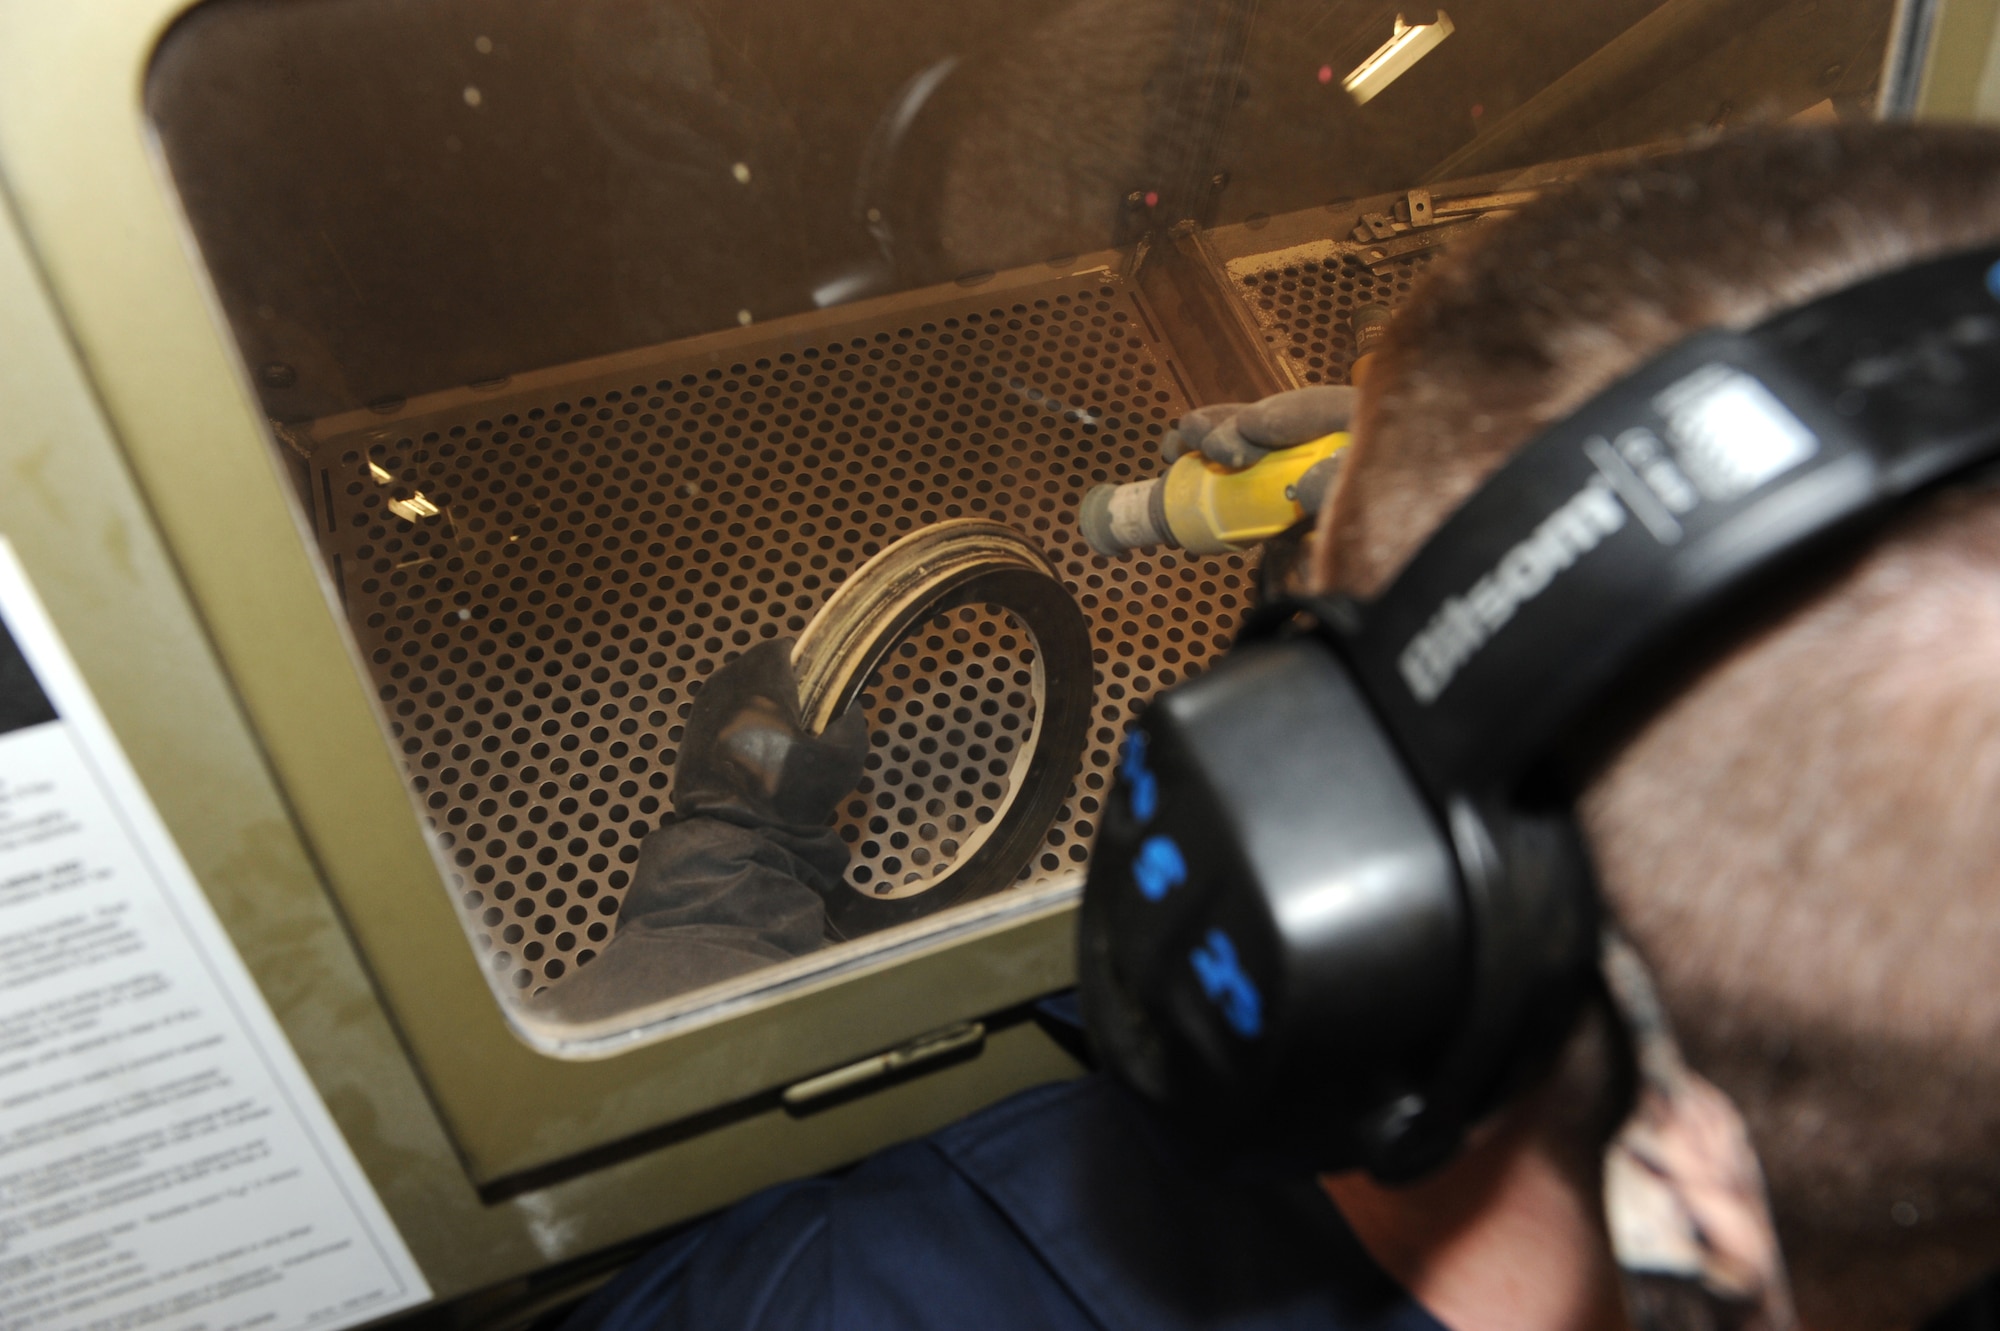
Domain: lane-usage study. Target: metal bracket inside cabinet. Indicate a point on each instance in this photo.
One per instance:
(1418, 221)
(1289, 285)
(1218, 344)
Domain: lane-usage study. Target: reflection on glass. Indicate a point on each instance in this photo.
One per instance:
(415, 508)
(1408, 44)
(607, 339)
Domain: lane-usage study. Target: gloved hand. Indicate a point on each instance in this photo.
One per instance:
(1238, 434)
(739, 878)
(745, 756)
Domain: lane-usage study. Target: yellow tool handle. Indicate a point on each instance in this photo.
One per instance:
(1211, 509)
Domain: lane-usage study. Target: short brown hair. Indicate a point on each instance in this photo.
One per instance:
(1804, 840)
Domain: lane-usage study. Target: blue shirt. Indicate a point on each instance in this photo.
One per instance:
(1067, 1207)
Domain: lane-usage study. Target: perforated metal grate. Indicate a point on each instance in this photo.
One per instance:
(598, 549)
(1305, 306)
(952, 713)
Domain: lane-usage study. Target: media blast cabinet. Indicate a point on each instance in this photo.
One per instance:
(404, 409)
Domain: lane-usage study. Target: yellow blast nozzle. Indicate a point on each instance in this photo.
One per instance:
(1202, 506)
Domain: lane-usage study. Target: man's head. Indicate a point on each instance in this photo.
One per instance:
(1803, 841)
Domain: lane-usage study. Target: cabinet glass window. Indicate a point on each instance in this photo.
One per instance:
(604, 342)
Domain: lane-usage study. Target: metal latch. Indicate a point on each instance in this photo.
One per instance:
(923, 1049)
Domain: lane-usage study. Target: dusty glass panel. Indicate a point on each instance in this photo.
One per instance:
(604, 342)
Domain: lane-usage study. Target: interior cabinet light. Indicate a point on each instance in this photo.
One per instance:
(1407, 46)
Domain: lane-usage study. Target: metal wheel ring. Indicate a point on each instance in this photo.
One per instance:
(939, 568)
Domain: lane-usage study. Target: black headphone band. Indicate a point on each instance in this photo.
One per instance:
(1730, 459)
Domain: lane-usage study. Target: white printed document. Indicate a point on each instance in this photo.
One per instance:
(164, 1160)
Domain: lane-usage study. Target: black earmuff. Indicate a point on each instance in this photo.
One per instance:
(1338, 906)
